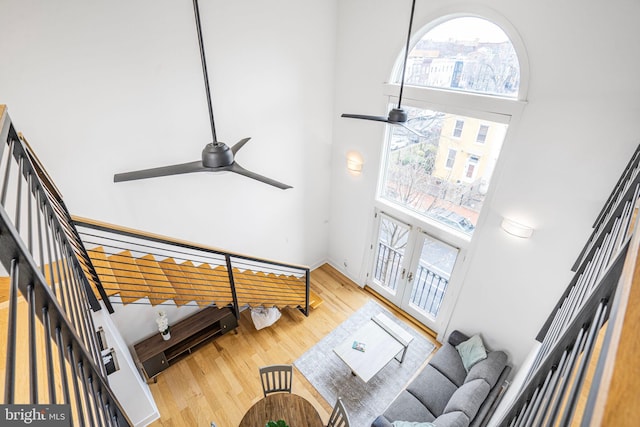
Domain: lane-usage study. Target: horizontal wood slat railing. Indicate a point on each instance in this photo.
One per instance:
(140, 266)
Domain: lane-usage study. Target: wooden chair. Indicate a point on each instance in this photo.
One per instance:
(276, 378)
(339, 417)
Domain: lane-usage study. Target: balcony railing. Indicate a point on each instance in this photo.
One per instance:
(428, 286)
(428, 290)
(388, 266)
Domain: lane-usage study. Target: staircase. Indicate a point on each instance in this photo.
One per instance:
(135, 267)
(55, 269)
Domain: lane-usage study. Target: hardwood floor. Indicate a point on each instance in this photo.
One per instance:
(219, 382)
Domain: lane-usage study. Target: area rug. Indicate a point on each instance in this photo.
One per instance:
(332, 378)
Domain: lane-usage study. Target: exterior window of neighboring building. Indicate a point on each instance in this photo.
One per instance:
(483, 130)
(457, 130)
(451, 158)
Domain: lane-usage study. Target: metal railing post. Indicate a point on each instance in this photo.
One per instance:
(232, 283)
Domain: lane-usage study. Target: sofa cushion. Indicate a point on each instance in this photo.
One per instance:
(488, 369)
(471, 351)
(407, 407)
(412, 424)
(448, 362)
(456, 337)
(452, 419)
(468, 398)
(381, 421)
(432, 389)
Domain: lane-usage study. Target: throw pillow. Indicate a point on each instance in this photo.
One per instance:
(471, 351)
(412, 424)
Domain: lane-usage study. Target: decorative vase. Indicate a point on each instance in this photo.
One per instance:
(163, 325)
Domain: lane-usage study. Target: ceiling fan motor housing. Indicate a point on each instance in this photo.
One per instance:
(216, 154)
(397, 115)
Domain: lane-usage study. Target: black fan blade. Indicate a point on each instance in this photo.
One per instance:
(235, 167)
(410, 129)
(161, 171)
(238, 145)
(365, 117)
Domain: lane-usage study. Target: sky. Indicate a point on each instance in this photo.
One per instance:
(467, 28)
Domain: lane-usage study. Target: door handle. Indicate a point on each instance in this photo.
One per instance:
(410, 277)
(404, 271)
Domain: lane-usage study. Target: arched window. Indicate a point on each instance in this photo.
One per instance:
(469, 54)
(462, 86)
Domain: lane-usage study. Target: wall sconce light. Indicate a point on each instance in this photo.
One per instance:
(516, 229)
(354, 162)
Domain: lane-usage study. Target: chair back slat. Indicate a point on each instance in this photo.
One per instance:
(339, 417)
(276, 379)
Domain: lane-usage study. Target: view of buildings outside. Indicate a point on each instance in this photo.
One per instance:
(444, 59)
(442, 166)
(439, 164)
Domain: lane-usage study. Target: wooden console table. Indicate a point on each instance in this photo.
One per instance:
(154, 354)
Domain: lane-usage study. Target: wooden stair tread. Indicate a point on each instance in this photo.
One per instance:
(202, 292)
(130, 281)
(5, 284)
(314, 299)
(268, 289)
(104, 271)
(193, 275)
(217, 288)
(136, 278)
(178, 279)
(159, 286)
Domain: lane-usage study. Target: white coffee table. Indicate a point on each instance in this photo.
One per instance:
(384, 341)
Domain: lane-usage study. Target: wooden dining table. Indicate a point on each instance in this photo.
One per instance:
(295, 410)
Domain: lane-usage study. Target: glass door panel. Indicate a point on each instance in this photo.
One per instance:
(429, 276)
(412, 269)
(389, 262)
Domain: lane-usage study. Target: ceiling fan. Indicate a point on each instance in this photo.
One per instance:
(397, 115)
(216, 156)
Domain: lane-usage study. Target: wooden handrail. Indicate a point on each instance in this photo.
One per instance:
(100, 224)
(616, 401)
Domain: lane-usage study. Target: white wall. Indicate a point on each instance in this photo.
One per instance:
(105, 87)
(130, 389)
(576, 134)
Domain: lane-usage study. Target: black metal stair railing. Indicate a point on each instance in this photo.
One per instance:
(49, 308)
(227, 279)
(557, 376)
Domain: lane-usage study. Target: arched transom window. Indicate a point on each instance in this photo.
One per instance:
(469, 54)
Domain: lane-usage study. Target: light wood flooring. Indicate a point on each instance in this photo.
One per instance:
(219, 382)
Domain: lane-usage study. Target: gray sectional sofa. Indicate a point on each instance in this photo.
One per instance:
(445, 394)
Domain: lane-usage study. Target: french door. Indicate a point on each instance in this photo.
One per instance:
(411, 269)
